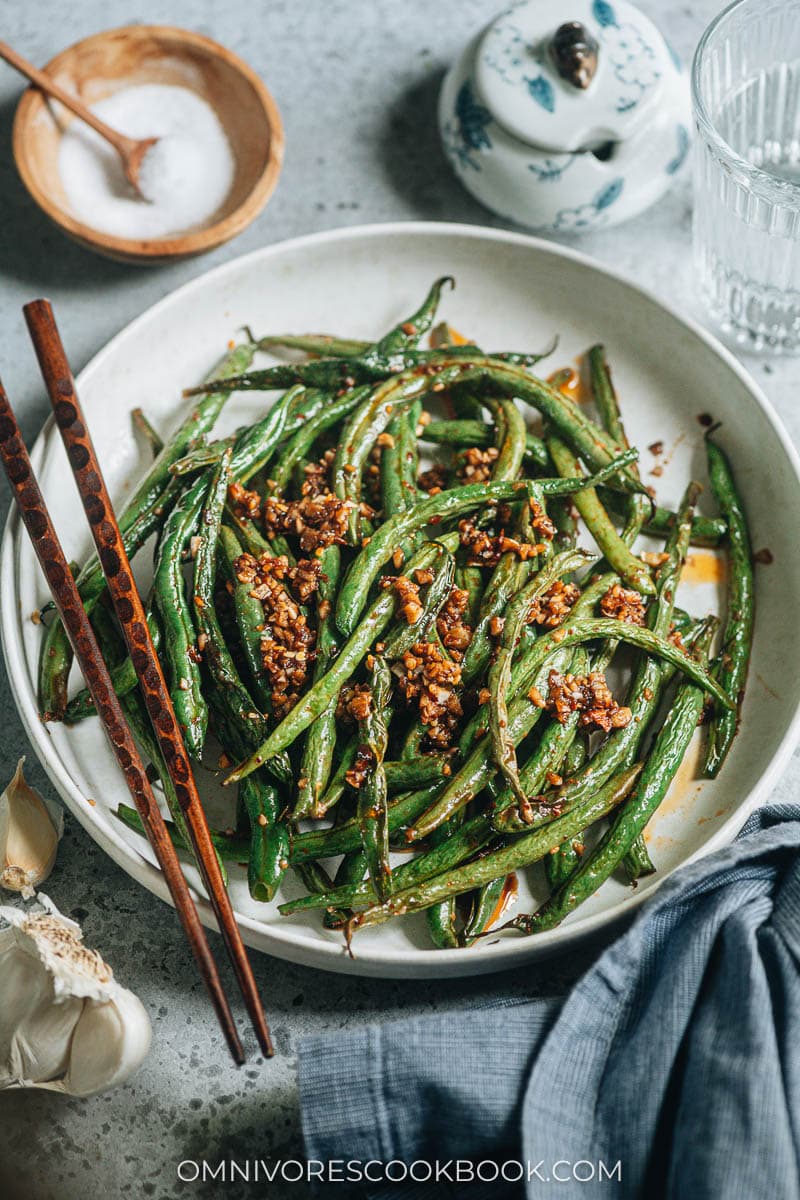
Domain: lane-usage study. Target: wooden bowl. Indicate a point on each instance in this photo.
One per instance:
(137, 54)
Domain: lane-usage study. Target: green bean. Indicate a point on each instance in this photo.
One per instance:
(324, 345)
(518, 785)
(441, 920)
(349, 873)
(249, 613)
(491, 901)
(139, 518)
(473, 775)
(338, 783)
(252, 442)
(320, 694)
(252, 541)
(565, 416)
(564, 516)
(637, 861)
(706, 531)
(511, 441)
(372, 794)
(506, 579)
(364, 426)
(455, 366)
(268, 855)
(657, 774)
(237, 704)
(230, 848)
(401, 774)
(604, 394)
(143, 426)
(560, 864)
(521, 677)
(617, 553)
(320, 741)
(473, 835)
(339, 839)
(169, 594)
(408, 452)
(651, 677)
(55, 660)
(398, 478)
(254, 446)
(470, 580)
(591, 628)
(476, 770)
(316, 880)
(443, 507)
(521, 852)
(305, 437)
(206, 455)
(546, 759)
(466, 432)
(733, 659)
(408, 332)
(500, 670)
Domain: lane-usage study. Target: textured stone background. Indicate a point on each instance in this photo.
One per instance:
(356, 83)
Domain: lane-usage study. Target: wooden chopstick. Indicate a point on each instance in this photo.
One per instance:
(69, 418)
(35, 517)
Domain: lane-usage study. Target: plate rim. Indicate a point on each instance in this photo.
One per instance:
(330, 956)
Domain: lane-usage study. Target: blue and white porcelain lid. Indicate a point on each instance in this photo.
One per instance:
(519, 79)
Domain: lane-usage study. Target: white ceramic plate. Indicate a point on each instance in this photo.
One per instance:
(513, 291)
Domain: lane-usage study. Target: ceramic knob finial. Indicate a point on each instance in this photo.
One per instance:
(574, 52)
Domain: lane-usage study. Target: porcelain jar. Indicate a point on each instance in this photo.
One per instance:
(564, 125)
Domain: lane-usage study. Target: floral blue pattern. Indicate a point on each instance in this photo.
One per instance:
(552, 168)
(674, 165)
(507, 53)
(468, 132)
(603, 13)
(472, 118)
(609, 193)
(541, 90)
(585, 215)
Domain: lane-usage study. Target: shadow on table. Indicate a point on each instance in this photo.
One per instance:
(411, 155)
(32, 246)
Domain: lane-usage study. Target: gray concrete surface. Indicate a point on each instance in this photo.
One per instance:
(356, 83)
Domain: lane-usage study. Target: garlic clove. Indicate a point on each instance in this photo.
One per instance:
(109, 1043)
(65, 1022)
(29, 836)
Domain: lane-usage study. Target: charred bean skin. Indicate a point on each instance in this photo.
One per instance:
(733, 660)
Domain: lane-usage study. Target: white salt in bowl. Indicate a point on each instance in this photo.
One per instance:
(105, 63)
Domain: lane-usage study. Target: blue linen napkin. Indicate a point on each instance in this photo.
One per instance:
(677, 1056)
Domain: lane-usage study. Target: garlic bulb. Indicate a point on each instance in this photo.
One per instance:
(65, 1023)
(29, 835)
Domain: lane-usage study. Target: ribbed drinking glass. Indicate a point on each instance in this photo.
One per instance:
(746, 98)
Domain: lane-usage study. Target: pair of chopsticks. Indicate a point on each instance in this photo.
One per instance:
(130, 613)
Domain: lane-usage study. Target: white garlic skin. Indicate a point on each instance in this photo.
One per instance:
(29, 835)
(65, 1023)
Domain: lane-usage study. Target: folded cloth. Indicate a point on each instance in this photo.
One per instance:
(677, 1056)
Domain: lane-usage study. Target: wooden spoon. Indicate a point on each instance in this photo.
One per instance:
(130, 150)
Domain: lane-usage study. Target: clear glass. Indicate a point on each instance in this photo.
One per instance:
(746, 98)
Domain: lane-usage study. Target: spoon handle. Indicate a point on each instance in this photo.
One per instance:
(122, 144)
